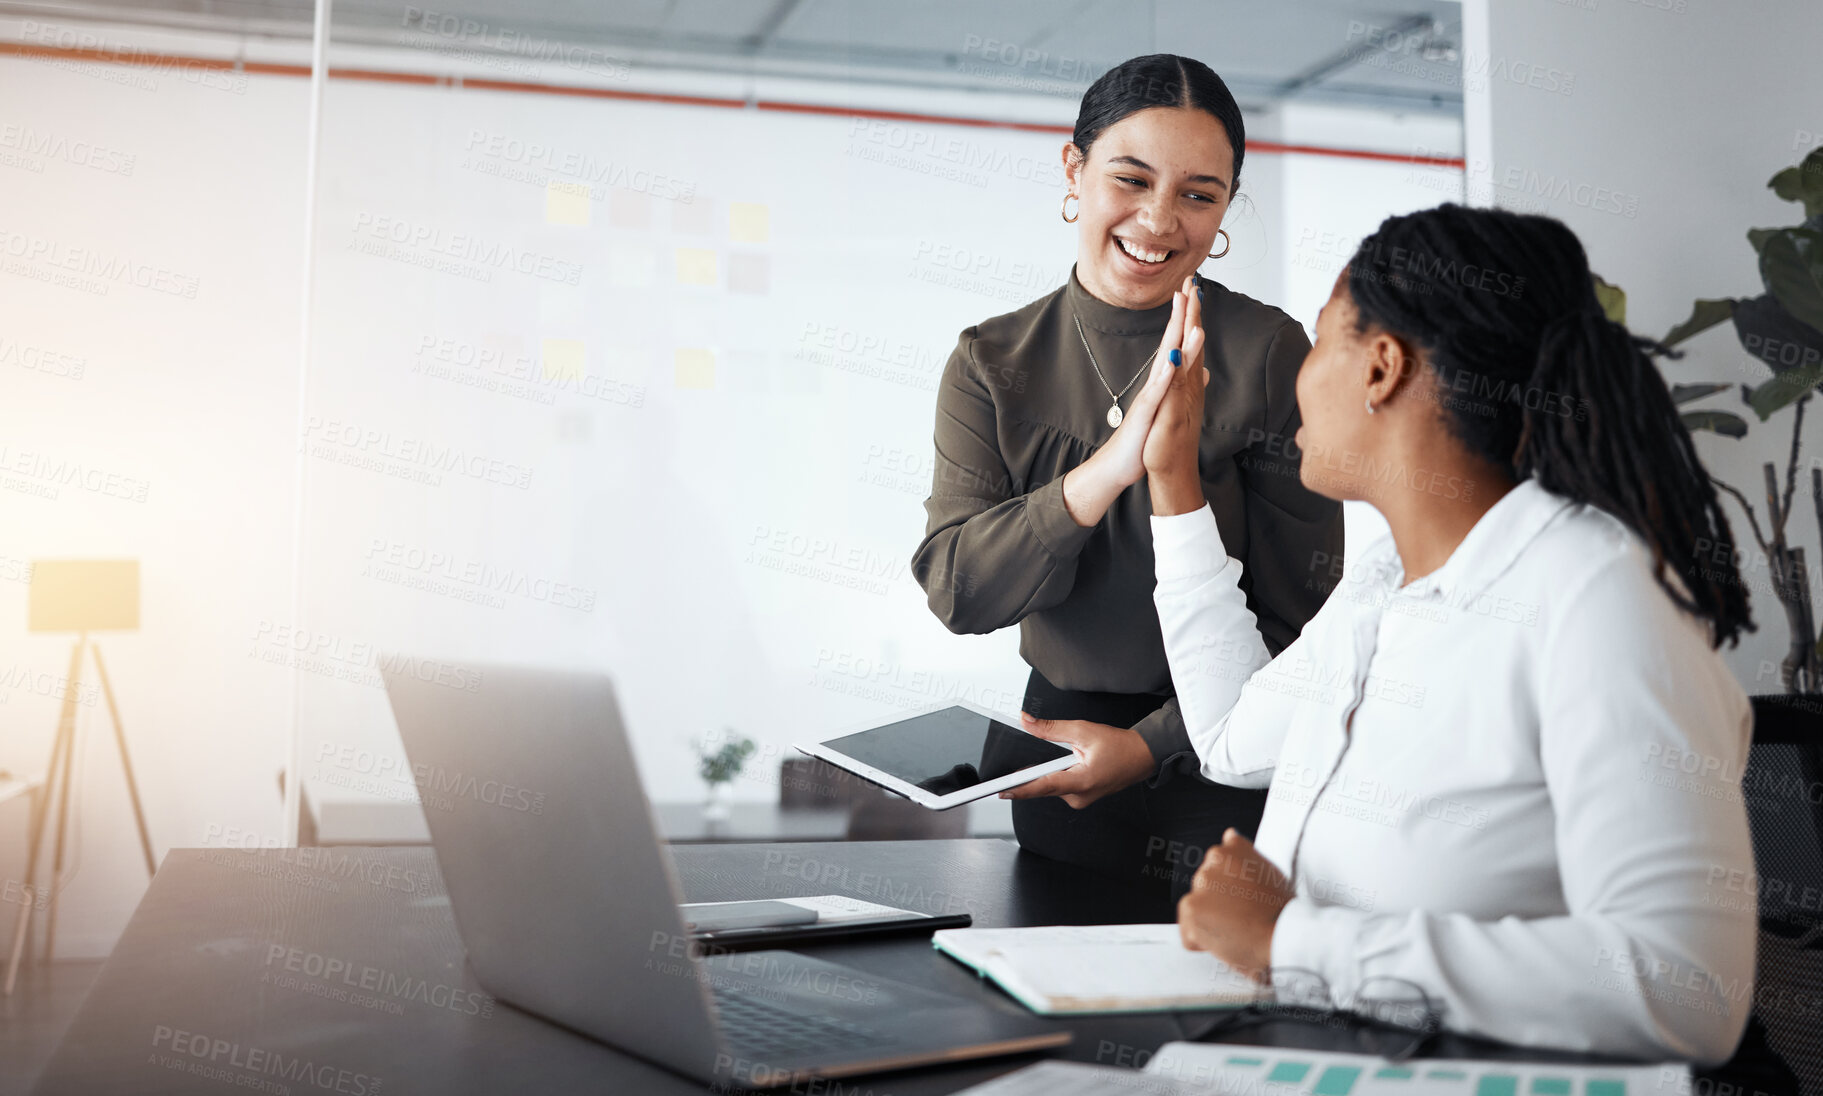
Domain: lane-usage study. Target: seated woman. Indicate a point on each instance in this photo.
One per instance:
(1504, 757)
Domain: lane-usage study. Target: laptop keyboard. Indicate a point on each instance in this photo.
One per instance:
(760, 1025)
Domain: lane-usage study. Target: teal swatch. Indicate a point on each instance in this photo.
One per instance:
(1336, 1081)
(1446, 1075)
(1236, 1061)
(1551, 1086)
(1394, 1073)
(1605, 1088)
(1497, 1084)
(1289, 1072)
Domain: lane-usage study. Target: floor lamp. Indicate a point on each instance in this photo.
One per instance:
(80, 596)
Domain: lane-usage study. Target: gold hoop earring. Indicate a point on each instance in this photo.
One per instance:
(1227, 243)
(1066, 205)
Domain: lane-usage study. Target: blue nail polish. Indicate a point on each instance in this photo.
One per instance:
(1199, 294)
(1177, 357)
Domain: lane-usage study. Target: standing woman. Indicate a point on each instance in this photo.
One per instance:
(1037, 516)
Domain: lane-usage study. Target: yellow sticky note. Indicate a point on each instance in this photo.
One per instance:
(562, 359)
(749, 222)
(566, 203)
(695, 367)
(695, 266)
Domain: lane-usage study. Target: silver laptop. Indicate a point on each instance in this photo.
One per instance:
(566, 902)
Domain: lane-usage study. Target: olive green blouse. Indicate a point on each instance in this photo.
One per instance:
(1020, 405)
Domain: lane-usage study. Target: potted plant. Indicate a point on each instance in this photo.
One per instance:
(719, 760)
(1782, 329)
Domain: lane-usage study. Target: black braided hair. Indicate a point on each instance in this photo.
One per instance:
(1159, 80)
(1532, 375)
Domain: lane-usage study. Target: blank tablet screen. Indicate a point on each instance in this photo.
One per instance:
(947, 751)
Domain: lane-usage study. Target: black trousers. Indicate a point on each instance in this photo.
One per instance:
(1153, 836)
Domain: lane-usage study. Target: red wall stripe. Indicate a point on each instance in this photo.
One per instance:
(148, 59)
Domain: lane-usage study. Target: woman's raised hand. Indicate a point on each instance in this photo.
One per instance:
(1173, 471)
(1126, 449)
(1090, 488)
(1177, 426)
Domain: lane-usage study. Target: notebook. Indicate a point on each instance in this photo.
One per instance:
(1214, 1069)
(1073, 969)
(1060, 1078)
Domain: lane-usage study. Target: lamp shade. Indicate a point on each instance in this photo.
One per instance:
(84, 595)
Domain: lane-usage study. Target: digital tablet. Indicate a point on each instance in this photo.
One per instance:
(944, 758)
(771, 923)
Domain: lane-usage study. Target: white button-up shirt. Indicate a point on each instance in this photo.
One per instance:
(1514, 782)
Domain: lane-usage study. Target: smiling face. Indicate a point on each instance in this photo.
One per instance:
(1153, 190)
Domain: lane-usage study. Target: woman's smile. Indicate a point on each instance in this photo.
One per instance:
(1143, 259)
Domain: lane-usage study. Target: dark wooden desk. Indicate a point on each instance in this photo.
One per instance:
(336, 816)
(215, 971)
(207, 954)
(684, 824)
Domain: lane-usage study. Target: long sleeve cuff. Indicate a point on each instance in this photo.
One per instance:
(1320, 939)
(1051, 521)
(1188, 546)
(1165, 735)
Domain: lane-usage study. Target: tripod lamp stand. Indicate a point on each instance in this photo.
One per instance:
(80, 596)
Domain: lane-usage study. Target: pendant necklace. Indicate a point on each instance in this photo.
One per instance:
(1114, 412)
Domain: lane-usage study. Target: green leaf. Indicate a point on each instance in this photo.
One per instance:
(1705, 315)
(1769, 333)
(1686, 393)
(1791, 265)
(1783, 390)
(1803, 183)
(1721, 422)
(1613, 300)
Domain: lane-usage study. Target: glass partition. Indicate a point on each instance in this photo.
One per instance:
(629, 322)
(625, 330)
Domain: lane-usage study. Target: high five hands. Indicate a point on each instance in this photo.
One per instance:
(1235, 899)
(1175, 419)
(1159, 433)
(1158, 439)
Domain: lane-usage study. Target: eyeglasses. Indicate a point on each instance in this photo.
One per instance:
(1388, 1017)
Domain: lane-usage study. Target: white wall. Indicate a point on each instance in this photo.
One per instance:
(1669, 118)
(776, 452)
(147, 424)
(698, 463)
(1327, 206)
